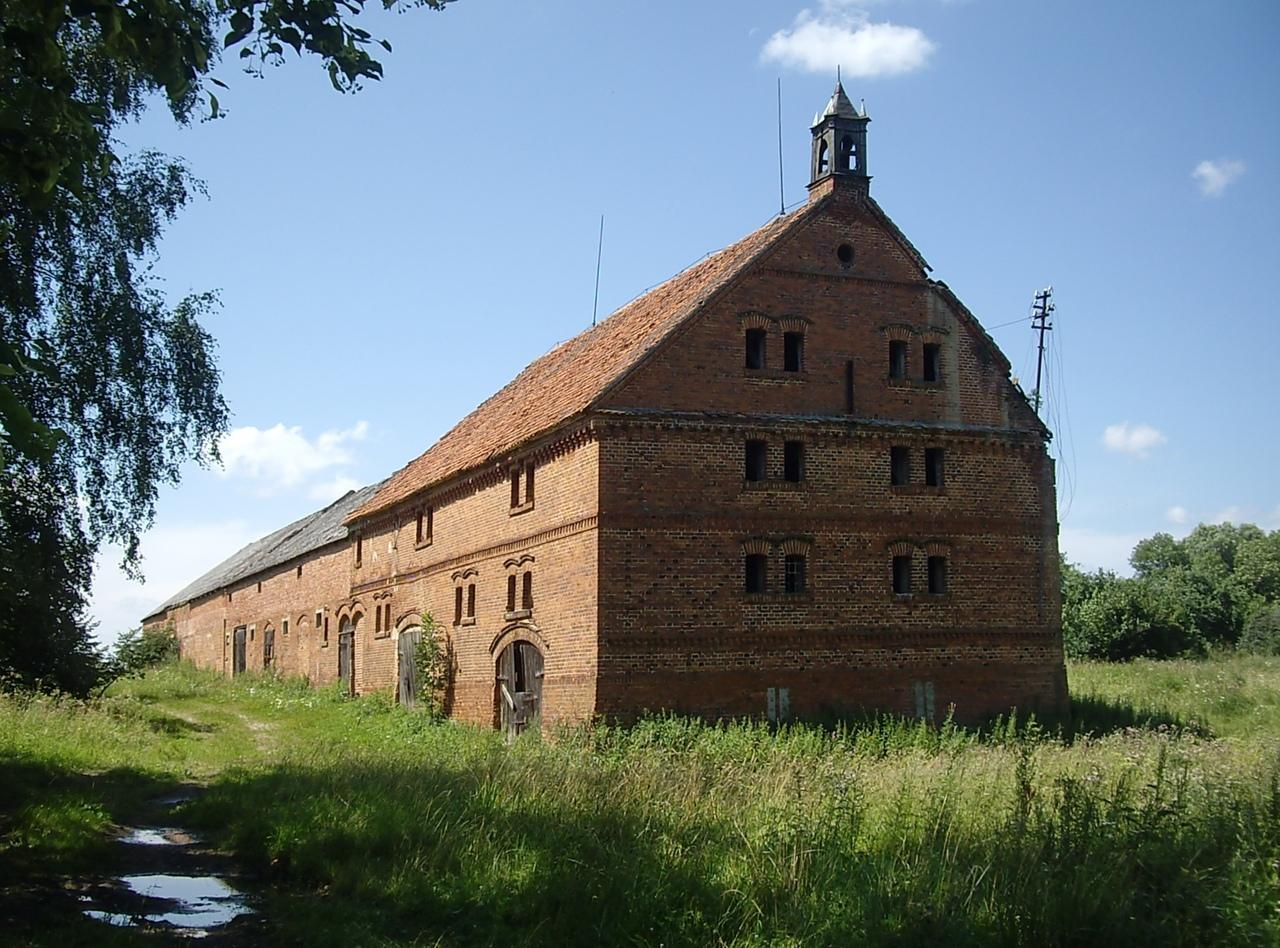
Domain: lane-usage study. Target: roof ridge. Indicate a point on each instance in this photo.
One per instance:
(572, 376)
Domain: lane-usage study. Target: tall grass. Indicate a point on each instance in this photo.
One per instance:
(1153, 816)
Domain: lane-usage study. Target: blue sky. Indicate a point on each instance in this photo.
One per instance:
(387, 260)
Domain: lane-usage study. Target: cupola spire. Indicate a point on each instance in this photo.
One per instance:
(840, 144)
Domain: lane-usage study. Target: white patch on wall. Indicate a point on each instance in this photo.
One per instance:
(924, 700)
(778, 704)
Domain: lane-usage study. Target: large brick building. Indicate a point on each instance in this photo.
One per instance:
(794, 479)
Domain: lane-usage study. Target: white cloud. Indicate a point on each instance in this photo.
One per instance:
(172, 558)
(1137, 440)
(327, 491)
(846, 38)
(1177, 514)
(1232, 514)
(279, 458)
(1098, 549)
(1214, 176)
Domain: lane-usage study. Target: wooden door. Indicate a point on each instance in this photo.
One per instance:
(347, 657)
(519, 688)
(268, 647)
(238, 650)
(407, 652)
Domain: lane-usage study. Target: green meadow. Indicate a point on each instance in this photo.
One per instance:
(1152, 816)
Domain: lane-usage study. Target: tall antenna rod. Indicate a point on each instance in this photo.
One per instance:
(1041, 310)
(782, 195)
(595, 303)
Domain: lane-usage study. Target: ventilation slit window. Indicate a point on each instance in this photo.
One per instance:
(897, 359)
(902, 575)
(755, 348)
(934, 465)
(794, 577)
(899, 467)
(526, 592)
(793, 351)
(793, 461)
(471, 600)
(756, 456)
(511, 593)
(932, 362)
(937, 575)
(457, 605)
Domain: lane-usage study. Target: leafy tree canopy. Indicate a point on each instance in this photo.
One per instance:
(1218, 586)
(106, 387)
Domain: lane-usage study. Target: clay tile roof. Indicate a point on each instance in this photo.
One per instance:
(312, 532)
(568, 379)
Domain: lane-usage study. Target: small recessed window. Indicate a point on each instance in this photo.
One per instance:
(284, 627)
(325, 639)
(793, 351)
(844, 253)
(897, 359)
(902, 575)
(259, 586)
(457, 605)
(319, 619)
(937, 575)
(528, 482)
(299, 571)
(526, 592)
(359, 550)
(794, 578)
(511, 593)
(934, 466)
(932, 362)
(471, 600)
(515, 488)
(755, 348)
(756, 456)
(757, 571)
(377, 619)
(793, 461)
(899, 466)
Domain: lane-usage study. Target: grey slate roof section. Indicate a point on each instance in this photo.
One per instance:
(302, 536)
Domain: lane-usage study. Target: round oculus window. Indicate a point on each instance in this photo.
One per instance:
(844, 253)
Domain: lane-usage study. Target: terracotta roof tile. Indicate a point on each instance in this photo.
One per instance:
(568, 379)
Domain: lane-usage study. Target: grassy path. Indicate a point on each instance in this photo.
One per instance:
(359, 823)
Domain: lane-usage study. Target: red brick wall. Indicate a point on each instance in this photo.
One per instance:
(677, 629)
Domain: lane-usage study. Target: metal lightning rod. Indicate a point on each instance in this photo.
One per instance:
(782, 197)
(595, 303)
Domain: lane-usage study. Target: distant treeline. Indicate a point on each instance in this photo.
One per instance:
(1218, 587)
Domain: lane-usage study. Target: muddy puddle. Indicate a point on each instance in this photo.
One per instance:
(166, 881)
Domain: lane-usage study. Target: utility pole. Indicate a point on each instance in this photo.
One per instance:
(1041, 310)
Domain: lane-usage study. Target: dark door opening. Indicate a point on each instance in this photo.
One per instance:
(519, 688)
(238, 650)
(347, 656)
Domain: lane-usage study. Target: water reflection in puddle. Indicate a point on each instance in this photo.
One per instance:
(158, 836)
(194, 903)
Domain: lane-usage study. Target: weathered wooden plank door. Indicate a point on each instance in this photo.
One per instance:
(519, 688)
(238, 650)
(347, 657)
(407, 651)
(268, 647)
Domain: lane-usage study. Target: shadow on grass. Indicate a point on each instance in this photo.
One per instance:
(416, 854)
(54, 830)
(1095, 716)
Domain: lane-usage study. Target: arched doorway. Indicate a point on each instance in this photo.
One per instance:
(347, 655)
(518, 690)
(407, 662)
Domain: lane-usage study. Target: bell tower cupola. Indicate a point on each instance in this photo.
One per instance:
(839, 146)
